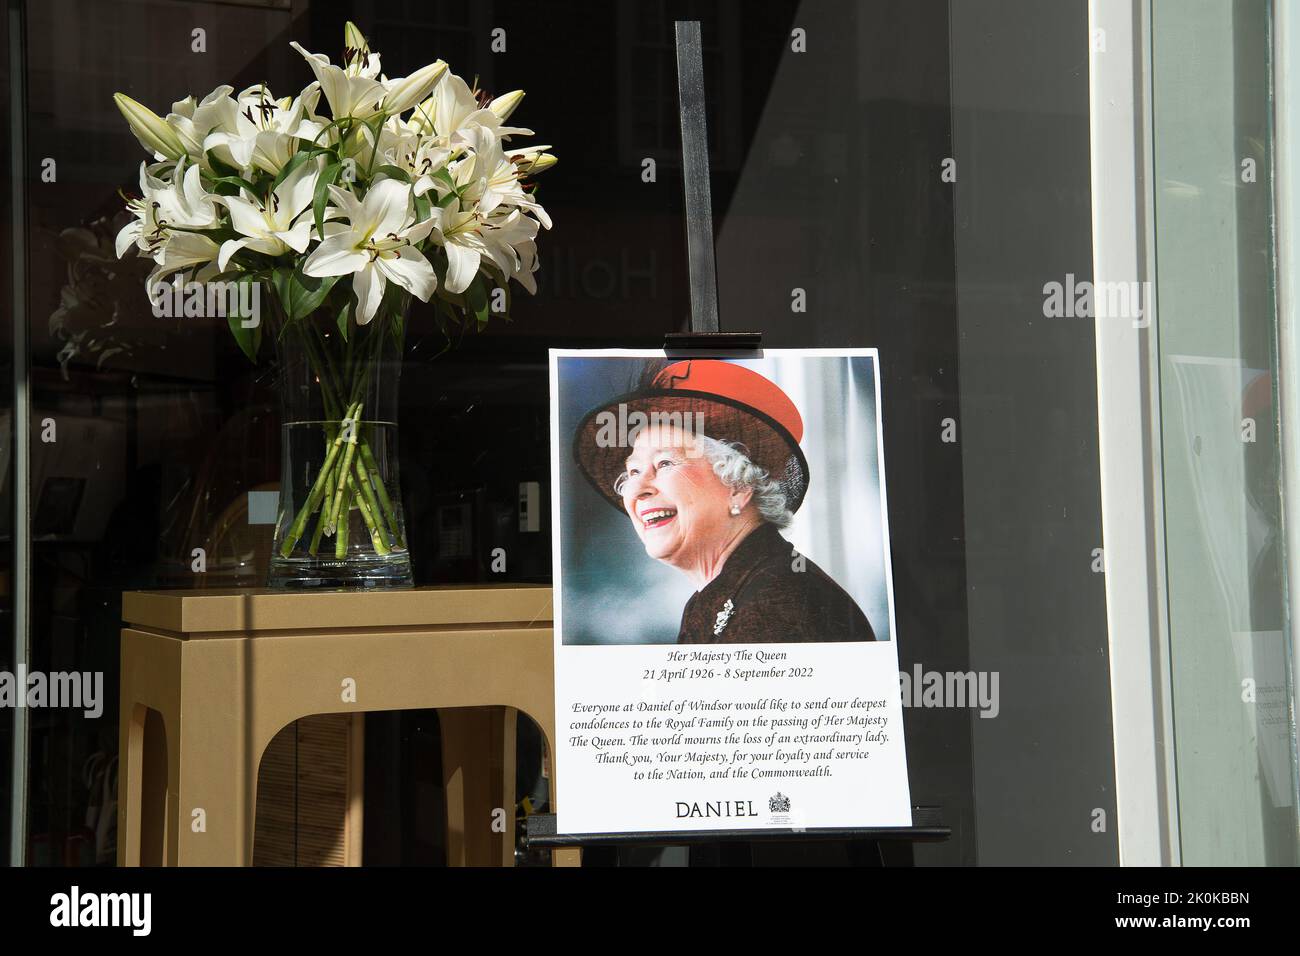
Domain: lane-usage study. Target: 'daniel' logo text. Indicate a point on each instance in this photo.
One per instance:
(716, 808)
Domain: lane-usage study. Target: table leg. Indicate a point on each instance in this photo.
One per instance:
(478, 770)
(213, 760)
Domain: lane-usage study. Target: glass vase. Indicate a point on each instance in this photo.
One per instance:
(340, 523)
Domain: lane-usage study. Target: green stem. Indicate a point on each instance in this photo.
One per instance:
(368, 493)
(361, 373)
(318, 357)
(376, 536)
(299, 526)
(347, 358)
(331, 404)
(341, 537)
(349, 427)
(316, 535)
(371, 482)
(386, 503)
(326, 369)
(372, 468)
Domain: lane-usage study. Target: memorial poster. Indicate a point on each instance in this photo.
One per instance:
(725, 652)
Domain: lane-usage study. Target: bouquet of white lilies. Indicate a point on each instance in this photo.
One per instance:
(408, 181)
(408, 187)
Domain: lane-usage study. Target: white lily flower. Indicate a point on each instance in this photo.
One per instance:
(194, 121)
(279, 225)
(185, 250)
(403, 146)
(283, 127)
(162, 206)
(494, 178)
(451, 101)
(143, 231)
(355, 91)
(375, 246)
(453, 111)
(457, 231)
(187, 203)
(510, 242)
(257, 131)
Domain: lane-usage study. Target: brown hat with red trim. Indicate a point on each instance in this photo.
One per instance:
(721, 400)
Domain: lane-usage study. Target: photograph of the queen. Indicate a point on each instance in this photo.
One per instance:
(718, 501)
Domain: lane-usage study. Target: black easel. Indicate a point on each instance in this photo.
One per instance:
(927, 826)
(867, 845)
(706, 333)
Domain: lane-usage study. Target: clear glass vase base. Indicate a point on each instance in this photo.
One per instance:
(340, 525)
(358, 573)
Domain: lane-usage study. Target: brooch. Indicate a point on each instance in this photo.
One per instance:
(723, 617)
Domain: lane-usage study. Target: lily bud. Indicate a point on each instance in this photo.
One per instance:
(354, 39)
(407, 91)
(541, 164)
(422, 118)
(149, 128)
(505, 104)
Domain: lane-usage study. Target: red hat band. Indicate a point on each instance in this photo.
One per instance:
(736, 383)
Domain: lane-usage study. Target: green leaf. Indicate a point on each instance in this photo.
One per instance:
(249, 339)
(342, 126)
(296, 160)
(238, 275)
(321, 198)
(231, 185)
(218, 167)
(216, 235)
(476, 299)
(345, 317)
(423, 207)
(375, 123)
(445, 178)
(393, 172)
(301, 295)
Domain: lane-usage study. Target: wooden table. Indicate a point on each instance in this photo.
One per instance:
(210, 677)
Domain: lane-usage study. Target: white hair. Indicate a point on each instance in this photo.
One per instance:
(731, 463)
(733, 466)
